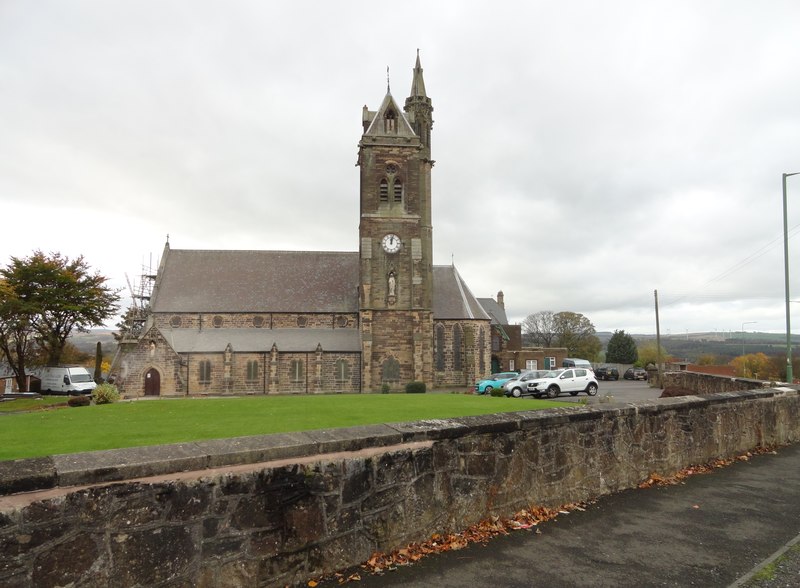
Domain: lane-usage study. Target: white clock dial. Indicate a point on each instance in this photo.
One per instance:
(391, 243)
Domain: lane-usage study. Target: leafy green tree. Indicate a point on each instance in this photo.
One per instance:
(621, 348)
(576, 332)
(648, 354)
(59, 295)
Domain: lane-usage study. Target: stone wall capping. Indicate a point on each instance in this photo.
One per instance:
(260, 448)
(131, 462)
(353, 438)
(432, 429)
(26, 475)
(490, 423)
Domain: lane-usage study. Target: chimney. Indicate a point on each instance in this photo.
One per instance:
(500, 300)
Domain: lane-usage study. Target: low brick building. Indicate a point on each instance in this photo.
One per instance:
(508, 352)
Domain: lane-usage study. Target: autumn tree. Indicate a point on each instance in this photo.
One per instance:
(754, 365)
(541, 327)
(16, 333)
(621, 348)
(58, 296)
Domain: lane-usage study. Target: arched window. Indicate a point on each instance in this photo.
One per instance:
(384, 192)
(440, 347)
(391, 370)
(252, 371)
(398, 191)
(204, 372)
(482, 351)
(296, 370)
(341, 370)
(457, 348)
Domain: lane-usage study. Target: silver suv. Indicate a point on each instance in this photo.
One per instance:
(573, 380)
(519, 385)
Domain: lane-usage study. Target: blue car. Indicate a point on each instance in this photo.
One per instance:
(494, 381)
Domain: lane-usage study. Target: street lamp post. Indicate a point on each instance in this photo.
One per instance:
(789, 374)
(743, 324)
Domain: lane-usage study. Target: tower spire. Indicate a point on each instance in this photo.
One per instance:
(417, 82)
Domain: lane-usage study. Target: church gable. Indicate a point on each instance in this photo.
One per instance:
(193, 281)
(388, 121)
(452, 298)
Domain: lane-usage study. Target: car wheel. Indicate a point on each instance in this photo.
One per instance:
(591, 389)
(488, 390)
(516, 393)
(552, 391)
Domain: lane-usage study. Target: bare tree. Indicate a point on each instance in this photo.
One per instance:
(541, 326)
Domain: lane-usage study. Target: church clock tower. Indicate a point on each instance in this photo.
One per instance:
(396, 241)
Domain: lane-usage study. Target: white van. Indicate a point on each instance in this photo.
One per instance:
(573, 362)
(66, 380)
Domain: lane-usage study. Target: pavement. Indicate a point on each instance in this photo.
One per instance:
(737, 527)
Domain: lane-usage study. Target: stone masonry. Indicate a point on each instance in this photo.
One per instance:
(280, 509)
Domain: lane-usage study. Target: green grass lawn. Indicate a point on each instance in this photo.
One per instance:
(156, 422)
(26, 404)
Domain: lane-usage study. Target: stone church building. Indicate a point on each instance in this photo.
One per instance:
(265, 322)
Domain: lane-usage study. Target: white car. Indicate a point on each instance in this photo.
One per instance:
(572, 380)
(519, 385)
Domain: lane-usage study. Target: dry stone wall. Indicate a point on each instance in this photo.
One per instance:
(280, 509)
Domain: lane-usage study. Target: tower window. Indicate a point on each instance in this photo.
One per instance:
(384, 192)
(390, 121)
(398, 191)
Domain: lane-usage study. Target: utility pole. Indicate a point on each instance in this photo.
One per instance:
(789, 374)
(658, 343)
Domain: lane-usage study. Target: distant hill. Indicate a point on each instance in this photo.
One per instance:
(726, 345)
(87, 342)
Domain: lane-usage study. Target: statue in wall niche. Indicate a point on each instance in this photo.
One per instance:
(392, 284)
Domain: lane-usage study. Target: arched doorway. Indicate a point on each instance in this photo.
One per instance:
(152, 382)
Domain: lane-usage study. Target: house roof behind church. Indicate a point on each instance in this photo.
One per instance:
(452, 298)
(257, 281)
(497, 312)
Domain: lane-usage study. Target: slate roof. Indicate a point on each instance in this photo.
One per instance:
(494, 310)
(256, 281)
(259, 340)
(452, 298)
(225, 281)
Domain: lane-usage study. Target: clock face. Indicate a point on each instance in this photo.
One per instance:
(391, 243)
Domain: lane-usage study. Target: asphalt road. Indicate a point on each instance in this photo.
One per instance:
(713, 530)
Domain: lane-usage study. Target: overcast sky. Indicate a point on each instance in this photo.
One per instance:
(587, 153)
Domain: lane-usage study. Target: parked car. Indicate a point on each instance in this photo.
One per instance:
(518, 386)
(607, 373)
(574, 362)
(494, 381)
(573, 380)
(635, 374)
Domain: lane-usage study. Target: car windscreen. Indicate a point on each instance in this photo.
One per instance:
(78, 378)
